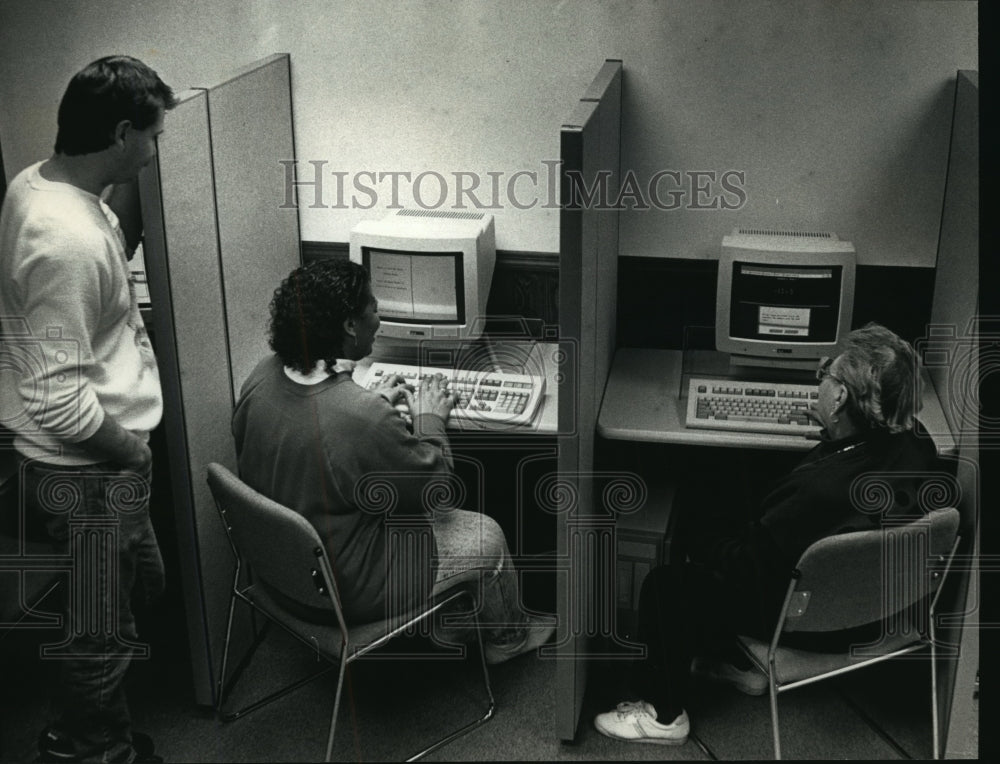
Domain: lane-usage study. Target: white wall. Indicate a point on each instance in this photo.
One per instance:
(838, 113)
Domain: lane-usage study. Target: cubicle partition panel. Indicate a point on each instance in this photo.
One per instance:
(216, 246)
(951, 354)
(600, 275)
(588, 255)
(189, 325)
(251, 129)
(3, 178)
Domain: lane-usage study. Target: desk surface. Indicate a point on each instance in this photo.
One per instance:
(521, 357)
(646, 400)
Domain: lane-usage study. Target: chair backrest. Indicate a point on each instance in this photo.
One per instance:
(280, 546)
(861, 577)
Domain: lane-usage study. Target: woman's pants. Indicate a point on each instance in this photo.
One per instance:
(471, 547)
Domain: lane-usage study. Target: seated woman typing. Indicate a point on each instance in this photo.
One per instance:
(734, 582)
(311, 439)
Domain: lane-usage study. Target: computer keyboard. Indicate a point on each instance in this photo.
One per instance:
(724, 404)
(485, 396)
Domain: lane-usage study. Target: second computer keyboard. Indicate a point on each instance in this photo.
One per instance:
(724, 404)
(486, 396)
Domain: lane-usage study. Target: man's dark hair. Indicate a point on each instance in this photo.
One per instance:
(308, 311)
(104, 93)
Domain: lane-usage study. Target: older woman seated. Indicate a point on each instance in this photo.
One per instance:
(734, 582)
(311, 439)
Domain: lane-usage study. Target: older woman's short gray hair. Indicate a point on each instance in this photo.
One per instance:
(879, 370)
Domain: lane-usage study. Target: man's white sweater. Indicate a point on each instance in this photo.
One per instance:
(74, 348)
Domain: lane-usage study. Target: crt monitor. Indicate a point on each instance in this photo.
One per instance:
(784, 298)
(431, 272)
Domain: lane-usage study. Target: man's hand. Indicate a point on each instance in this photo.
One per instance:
(141, 459)
(113, 443)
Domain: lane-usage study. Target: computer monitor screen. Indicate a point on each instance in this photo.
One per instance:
(784, 300)
(431, 272)
(417, 287)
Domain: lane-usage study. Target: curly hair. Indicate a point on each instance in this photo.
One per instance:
(879, 370)
(104, 93)
(308, 312)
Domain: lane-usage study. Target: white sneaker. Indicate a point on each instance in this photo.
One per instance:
(749, 681)
(636, 723)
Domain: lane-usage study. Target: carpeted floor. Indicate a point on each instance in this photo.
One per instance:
(391, 708)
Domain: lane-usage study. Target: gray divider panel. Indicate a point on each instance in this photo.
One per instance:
(182, 262)
(250, 116)
(588, 269)
(217, 245)
(957, 335)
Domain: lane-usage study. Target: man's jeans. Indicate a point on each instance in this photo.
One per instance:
(99, 515)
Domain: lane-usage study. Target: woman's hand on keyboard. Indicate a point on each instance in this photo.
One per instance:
(393, 389)
(431, 397)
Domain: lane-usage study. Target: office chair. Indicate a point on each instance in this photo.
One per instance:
(282, 548)
(893, 575)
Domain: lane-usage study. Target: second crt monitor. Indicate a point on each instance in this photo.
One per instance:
(784, 299)
(430, 271)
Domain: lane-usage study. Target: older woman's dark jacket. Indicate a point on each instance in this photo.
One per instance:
(839, 486)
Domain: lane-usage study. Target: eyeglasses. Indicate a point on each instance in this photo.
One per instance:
(823, 370)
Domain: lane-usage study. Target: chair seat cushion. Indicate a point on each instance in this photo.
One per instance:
(795, 664)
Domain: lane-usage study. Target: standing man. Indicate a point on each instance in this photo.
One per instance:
(81, 389)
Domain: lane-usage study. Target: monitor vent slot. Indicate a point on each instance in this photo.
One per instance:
(795, 234)
(449, 214)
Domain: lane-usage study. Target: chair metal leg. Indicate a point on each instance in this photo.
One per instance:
(336, 707)
(774, 728)
(491, 708)
(476, 722)
(486, 674)
(278, 694)
(226, 689)
(220, 691)
(774, 713)
(934, 705)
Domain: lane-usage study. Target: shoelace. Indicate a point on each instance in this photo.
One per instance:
(631, 708)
